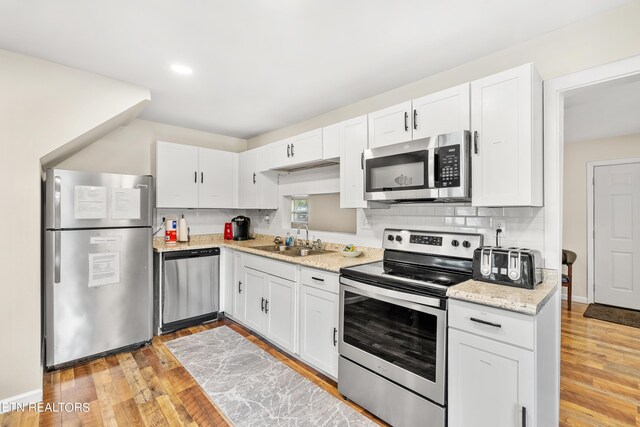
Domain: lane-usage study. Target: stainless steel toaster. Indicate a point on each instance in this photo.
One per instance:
(518, 267)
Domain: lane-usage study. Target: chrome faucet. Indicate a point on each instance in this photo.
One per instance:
(307, 229)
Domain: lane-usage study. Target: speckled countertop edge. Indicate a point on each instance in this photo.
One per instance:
(330, 262)
(526, 301)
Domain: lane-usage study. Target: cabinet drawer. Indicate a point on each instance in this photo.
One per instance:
(275, 268)
(320, 279)
(502, 325)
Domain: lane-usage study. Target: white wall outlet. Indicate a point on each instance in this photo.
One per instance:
(501, 224)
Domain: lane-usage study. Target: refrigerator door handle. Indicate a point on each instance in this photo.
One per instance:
(57, 255)
(57, 183)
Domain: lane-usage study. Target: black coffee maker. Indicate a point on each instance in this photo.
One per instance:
(241, 226)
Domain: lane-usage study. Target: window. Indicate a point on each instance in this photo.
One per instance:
(299, 210)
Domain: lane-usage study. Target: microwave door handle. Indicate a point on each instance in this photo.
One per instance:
(431, 166)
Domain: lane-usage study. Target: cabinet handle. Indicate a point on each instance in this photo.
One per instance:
(266, 306)
(475, 142)
(317, 278)
(254, 177)
(524, 416)
(292, 154)
(362, 160)
(406, 121)
(288, 150)
(484, 322)
(335, 332)
(415, 117)
(195, 177)
(201, 177)
(239, 287)
(262, 305)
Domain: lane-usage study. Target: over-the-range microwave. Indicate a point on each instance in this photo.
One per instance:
(430, 169)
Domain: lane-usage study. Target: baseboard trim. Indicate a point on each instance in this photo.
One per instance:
(575, 298)
(33, 396)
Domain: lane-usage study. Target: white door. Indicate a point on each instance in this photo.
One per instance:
(490, 383)
(280, 153)
(255, 283)
(353, 142)
(307, 147)
(280, 312)
(442, 112)
(176, 175)
(239, 287)
(390, 126)
(248, 179)
(318, 329)
(506, 120)
(617, 235)
(215, 178)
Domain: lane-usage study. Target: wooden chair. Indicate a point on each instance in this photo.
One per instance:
(568, 258)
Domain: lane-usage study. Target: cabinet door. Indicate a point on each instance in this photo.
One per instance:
(227, 280)
(267, 190)
(263, 155)
(442, 112)
(239, 287)
(331, 142)
(215, 186)
(353, 142)
(490, 383)
(281, 312)
(176, 175)
(319, 329)
(390, 126)
(506, 119)
(255, 284)
(307, 147)
(248, 179)
(280, 153)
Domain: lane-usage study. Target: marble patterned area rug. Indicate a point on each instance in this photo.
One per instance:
(253, 388)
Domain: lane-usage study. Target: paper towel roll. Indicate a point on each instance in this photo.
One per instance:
(183, 231)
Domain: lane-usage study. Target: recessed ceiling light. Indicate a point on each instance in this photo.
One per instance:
(181, 69)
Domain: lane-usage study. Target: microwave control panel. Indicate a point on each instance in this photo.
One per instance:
(449, 166)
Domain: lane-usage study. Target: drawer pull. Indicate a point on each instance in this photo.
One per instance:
(484, 322)
(317, 278)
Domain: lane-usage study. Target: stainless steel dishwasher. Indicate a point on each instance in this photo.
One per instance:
(189, 289)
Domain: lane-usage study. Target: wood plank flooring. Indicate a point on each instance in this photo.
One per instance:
(600, 383)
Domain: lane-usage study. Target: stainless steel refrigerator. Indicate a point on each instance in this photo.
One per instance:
(97, 264)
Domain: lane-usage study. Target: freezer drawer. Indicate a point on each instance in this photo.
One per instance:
(191, 285)
(98, 290)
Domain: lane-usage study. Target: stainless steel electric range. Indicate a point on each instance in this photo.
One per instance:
(393, 325)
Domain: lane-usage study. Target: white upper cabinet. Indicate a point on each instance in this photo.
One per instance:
(217, 177)
(442, 112)
(191, 177)
(264, 158)
(391, 125)
(297, 151)
(352, 135)
(506, 121)
(257, 190)
(331, 142)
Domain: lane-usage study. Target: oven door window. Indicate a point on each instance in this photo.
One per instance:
(406, 171)
(402, 336)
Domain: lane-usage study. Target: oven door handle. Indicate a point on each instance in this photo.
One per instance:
(401, 297)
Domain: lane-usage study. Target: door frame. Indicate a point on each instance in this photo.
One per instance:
(591, 192)
(555, 91)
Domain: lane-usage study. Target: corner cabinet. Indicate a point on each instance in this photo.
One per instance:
(501, 370)
(257, 190)
(506, 124)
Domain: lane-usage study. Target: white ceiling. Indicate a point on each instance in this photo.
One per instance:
(603, 111)
(263, 64)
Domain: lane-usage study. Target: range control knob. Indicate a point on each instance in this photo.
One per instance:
(466, 244)
(390, 237)
(398, 238)
(455, 243)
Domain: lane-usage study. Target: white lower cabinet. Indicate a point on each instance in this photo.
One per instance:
(238, 288)
(319, 329)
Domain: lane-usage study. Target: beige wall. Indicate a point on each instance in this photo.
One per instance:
(43, 108)
(576, 156)
(604, 38)
(130, 148)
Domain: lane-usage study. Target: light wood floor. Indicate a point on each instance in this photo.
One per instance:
(600, 383)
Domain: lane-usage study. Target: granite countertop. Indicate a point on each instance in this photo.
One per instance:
(331, 262)
(526, 301)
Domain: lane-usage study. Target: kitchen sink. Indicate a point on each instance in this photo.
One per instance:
(294, 251)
